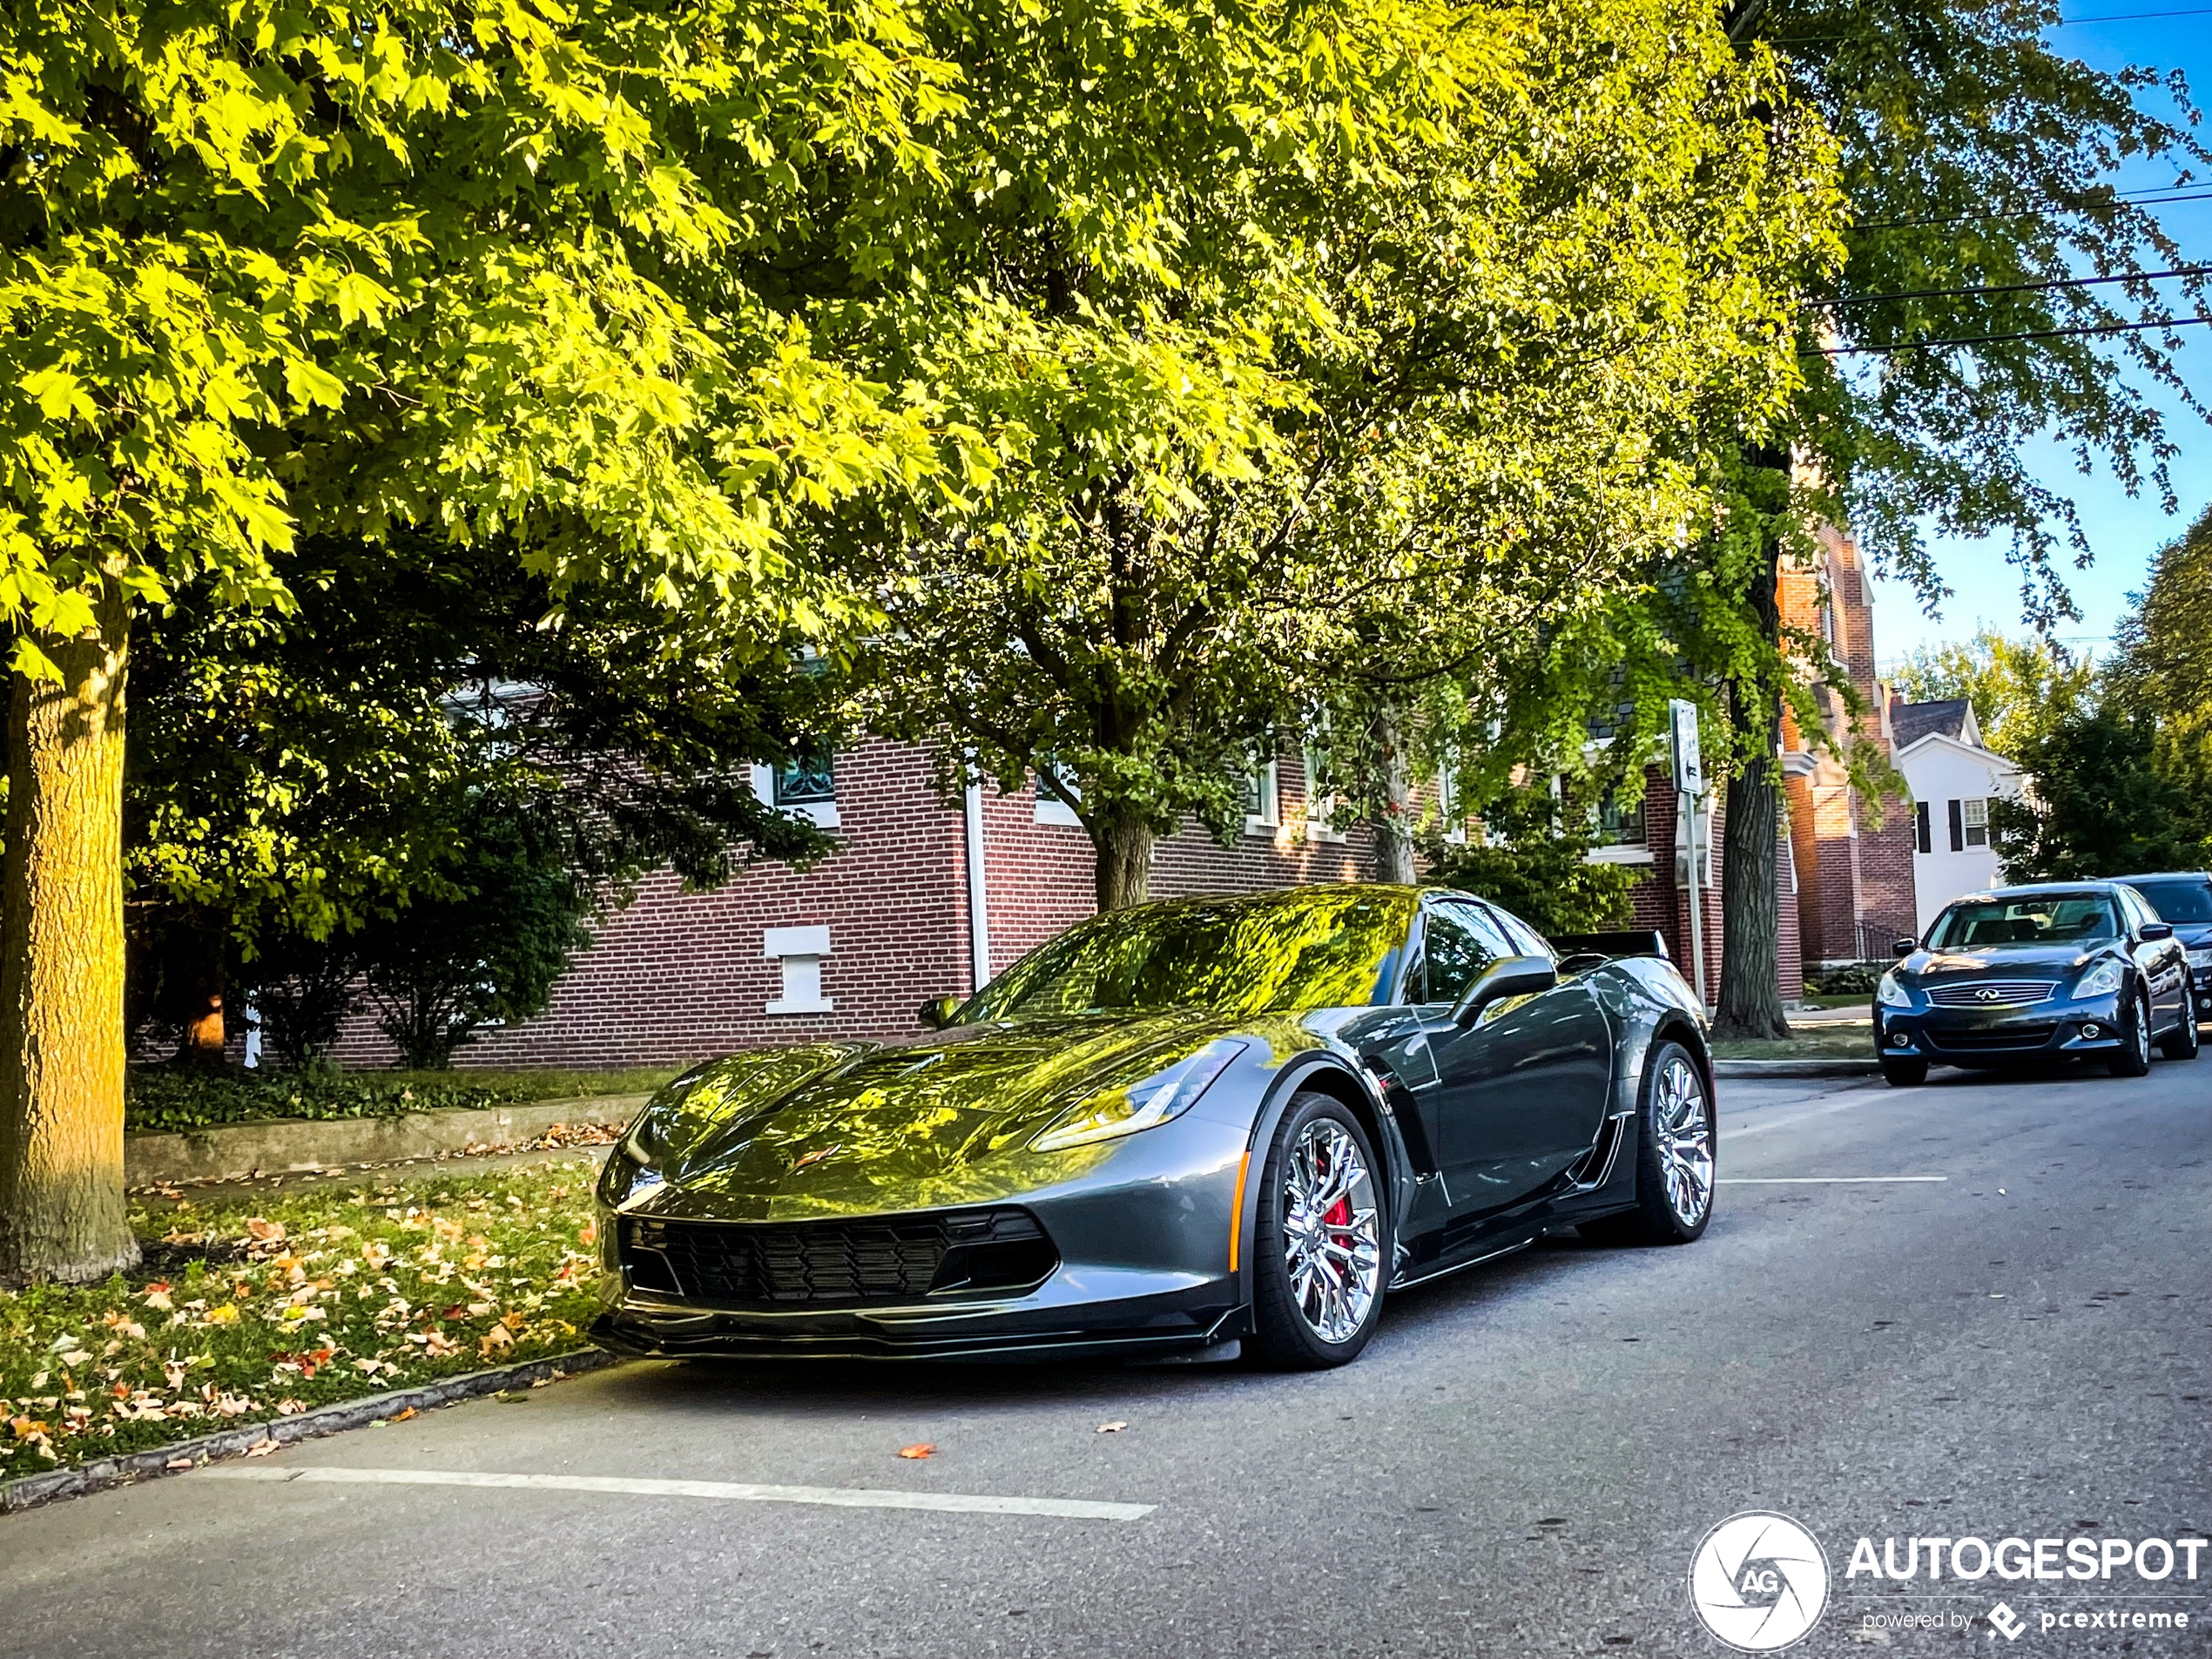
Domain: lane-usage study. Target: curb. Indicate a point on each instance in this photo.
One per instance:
(28, 1491)
(303, 1145)
(1836, 1067)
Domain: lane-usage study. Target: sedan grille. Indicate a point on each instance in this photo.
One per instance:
(1992, 993)
(1999, 1037)
(893, 1259)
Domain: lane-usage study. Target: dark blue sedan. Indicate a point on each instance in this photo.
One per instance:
(2063, 970)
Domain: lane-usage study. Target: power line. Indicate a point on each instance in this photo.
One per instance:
(2063, 23)
(2027, 288)
(1991, 340)
(2131, 198)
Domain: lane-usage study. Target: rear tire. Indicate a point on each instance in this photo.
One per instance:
(1904, 1074)
(2183, 1042)
(1675, 1136)
(2132, 1059)
(1322, 1248)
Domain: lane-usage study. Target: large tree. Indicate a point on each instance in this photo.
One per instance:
(1433, 293)
(1998, 286)
(2018, 686)
(273, 268)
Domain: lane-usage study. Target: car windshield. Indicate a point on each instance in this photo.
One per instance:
(2189, 900)
(1281, 953)
(2040, 919)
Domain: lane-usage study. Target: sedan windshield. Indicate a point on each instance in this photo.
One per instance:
(2178, 900)
(2041, 919)
(1279, 952)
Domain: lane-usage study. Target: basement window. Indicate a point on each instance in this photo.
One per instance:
(801, 950)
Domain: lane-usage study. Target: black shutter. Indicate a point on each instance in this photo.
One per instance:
(1920, 825)
(1957, 829)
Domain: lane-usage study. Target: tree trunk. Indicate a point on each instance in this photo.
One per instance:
(1750, 989)
(1123, 841)
(1394, 828)
(62, 1040)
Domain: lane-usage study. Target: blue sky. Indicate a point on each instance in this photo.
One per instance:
(2124, 531)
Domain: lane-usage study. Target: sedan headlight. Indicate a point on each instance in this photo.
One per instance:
(2100, 981)
(1892, 994)
(1125, 1109)
(2201, 958)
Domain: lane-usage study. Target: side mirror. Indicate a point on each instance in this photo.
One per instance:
(937, 1013)
(1507, 976)
(2152, 932)
(1903, 946)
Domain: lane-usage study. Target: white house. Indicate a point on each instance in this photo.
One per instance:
(1953, 775)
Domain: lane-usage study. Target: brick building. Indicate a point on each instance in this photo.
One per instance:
(924, 898)
(1854, 879)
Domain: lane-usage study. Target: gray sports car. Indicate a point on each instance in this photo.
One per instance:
(1171, 1129)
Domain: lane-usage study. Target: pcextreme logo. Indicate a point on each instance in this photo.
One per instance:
(1759, 1582)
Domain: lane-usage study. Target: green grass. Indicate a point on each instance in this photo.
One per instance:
(185, 1097)
(1810, 1042)
(256, 1306)
(1838, 999)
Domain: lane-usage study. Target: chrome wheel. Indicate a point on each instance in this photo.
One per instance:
(1332, 1243)
(2142, 1033)
(1685, 1137)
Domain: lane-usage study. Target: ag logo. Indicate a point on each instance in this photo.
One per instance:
(1759, 1582)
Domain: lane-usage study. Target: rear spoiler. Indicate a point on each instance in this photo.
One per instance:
(1634, 943)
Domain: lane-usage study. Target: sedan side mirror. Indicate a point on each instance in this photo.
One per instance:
(1903, 946)
(1507, 976)
(937, 1013)
(2151, 932)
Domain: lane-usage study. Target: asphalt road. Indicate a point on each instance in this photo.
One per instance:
(1523, 1462)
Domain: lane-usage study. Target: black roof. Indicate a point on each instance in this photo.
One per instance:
(1909, 722)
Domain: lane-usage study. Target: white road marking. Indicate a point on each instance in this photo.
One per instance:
(1824, 1180)
(727, 1491)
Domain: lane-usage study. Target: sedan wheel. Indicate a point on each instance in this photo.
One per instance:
(1323, 1238)
(2132, 1059)
(2182, 1042)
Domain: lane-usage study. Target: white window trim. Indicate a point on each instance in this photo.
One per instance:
(1623, 854)
(822, 814)
(1269, 819)
(1455, 827)
(801, 950)
(1050, 809)
(1319, 809)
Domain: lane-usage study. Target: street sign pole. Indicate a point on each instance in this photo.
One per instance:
(1689, 782)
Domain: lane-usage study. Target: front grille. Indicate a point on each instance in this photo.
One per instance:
(2009, 1036)
(1976, 993)
(894, 1259)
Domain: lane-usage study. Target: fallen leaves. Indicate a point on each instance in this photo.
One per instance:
(918, 1449)
(262, 1230)
(401, 1416)
(1114, 1427)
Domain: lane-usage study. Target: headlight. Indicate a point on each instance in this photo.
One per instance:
(1891, 994)
(629, 1167)
(2201, 958)
(1152, 1101)
(2100, 981)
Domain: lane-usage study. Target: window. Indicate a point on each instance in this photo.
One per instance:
(1525, 939)
(804, 785)
(1975, 815)
(801, 950)
(1263, 809)
(1057, 794)
(1921, 831)
(1449, 807)
(1619, 825)
(1320, 809)
(1461, 943)
(2189, 900)
(2039, 921)
(804, 778)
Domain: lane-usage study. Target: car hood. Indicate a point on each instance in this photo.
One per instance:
(840, 1129)
(2009, 962)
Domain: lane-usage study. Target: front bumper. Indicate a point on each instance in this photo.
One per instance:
(2056, 1027)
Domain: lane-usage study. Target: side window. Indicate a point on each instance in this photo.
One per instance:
(2136, 910)
(1525, 939)
(1462, 943)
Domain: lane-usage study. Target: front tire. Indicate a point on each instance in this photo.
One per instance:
(2183, 1042)
(1904, 1074)
(1323, 1241)
(2132, 1059)
(1676, 1133)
